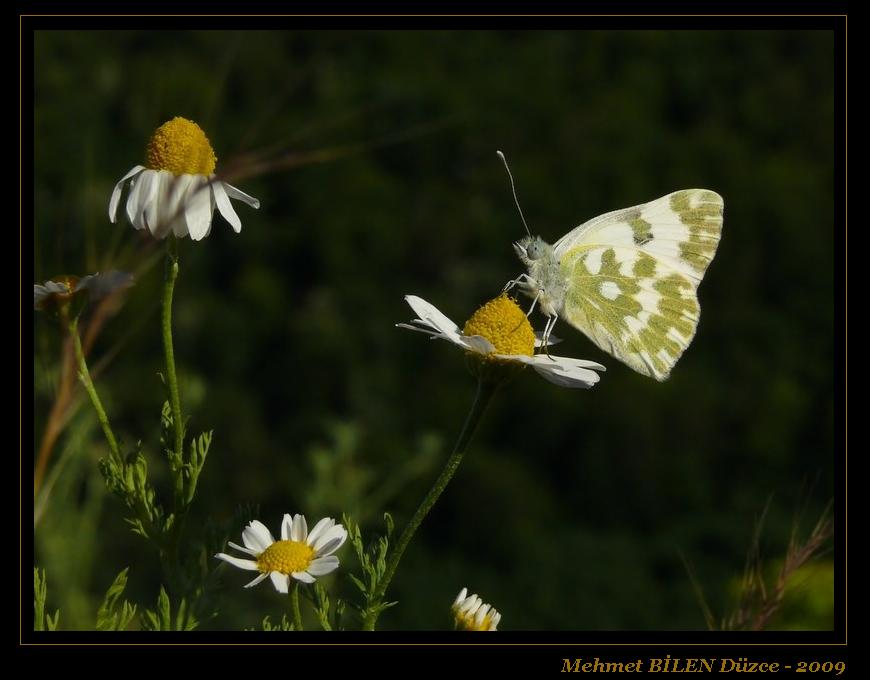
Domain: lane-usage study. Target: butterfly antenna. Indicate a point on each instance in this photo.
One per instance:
(514, 190)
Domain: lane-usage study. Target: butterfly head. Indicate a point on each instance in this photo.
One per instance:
(530, 248)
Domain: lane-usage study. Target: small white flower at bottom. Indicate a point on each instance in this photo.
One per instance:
(472, 613)
(300, 554)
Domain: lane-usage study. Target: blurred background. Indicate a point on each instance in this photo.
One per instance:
(573, 510)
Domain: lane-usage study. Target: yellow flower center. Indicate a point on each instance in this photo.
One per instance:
(467, 622)
(286, 557)
(181, 147)
(68, 280)
(504, 324)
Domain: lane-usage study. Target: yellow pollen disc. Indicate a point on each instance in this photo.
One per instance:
(181, 147)
(504, 324)
(286, 557)
(69, 280)
(465, 622)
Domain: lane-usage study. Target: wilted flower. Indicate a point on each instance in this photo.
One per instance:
(72, 292)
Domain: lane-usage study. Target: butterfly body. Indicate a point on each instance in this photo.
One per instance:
(628, 279)
(545, 279)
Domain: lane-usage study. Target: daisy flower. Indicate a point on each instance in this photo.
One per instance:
(499, 333)
(299, 554)
(472, 613)
(60, 291)
(176, 190)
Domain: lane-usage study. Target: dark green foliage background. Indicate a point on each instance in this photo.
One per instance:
(572, 508)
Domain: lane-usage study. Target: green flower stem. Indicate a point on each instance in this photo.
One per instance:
(294, 599)
(169, 353)
(485, 390)
(85, 377)
(177, 455)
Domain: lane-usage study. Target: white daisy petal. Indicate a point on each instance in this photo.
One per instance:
(319, 528)
(254, 553)
(478, 343)
(39, 294)
(56, 287)
(563, 363)
(432, 315)
(562, 371)
(286, 526)
(280, 581)
(330, 541)
(450, 336)
(105, 284)
(256, 536)
(303, 576)
(225, 207)
(578, 378)
(147, 197)
(116, 192)
(178, 227)
(232, 192)
(427, 331)
(323, 565)
(300, 529)
(211, 208)
(182, 191)
(159, 214)
(248, 565)
(471, 604)
(539, 339)
(481, 614)
(136, 186)
(85, 282)
(197, 210)
(460, 597)
(252, 541)
(257, 580)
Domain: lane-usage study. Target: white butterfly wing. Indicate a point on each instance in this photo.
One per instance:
(633, 276)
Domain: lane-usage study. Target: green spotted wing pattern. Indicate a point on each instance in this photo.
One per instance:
(633, 276)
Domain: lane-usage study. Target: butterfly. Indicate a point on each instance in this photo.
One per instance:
(628, 279)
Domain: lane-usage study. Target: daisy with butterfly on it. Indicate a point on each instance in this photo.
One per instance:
(627, 279)
(499, 336)
(498, 341)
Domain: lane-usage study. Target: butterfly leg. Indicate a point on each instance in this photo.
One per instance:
(532, 308)
(545, 338)
(514, 282)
